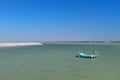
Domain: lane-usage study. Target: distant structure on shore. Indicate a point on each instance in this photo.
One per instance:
(13, 44)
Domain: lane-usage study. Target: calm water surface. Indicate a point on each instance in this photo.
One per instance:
(58, 62)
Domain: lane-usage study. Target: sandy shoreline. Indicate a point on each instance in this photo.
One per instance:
(12, 44)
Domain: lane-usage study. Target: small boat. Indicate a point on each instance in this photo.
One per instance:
(83, 55)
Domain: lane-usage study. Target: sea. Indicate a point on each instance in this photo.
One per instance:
(58, 62)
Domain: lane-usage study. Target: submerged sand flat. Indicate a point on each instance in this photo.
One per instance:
(12, 44)
(58, 62)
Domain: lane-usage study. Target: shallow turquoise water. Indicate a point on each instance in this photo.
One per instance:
(58, 62)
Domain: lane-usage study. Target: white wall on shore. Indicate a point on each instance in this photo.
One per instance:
(11, 44)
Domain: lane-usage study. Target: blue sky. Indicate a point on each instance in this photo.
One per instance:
(59, 20)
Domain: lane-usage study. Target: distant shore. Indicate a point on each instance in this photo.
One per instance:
(81, 42)
(13, 44)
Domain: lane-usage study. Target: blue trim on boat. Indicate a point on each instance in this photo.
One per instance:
(83, 55)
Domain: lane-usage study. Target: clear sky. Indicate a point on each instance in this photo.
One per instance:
(59, 20)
